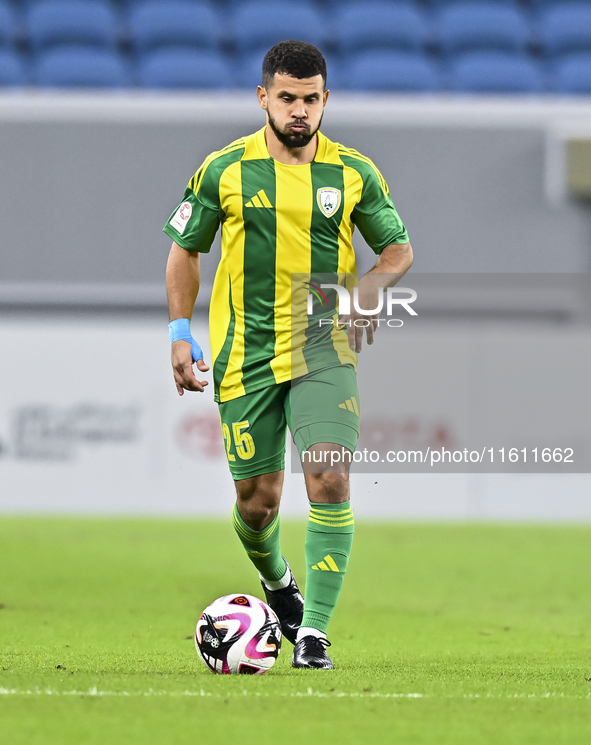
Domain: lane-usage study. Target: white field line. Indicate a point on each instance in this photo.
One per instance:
(309, 693)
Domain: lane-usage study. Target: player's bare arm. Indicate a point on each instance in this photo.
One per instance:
(182, 287)
(391, 266)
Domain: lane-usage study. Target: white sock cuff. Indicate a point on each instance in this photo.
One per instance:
(309, 631)
(277, 584)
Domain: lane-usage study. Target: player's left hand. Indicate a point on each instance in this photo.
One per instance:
(355, 325)
(182, 366)
(357, 322)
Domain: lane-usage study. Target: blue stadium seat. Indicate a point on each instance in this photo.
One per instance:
(89, 22)
(12, 69)
(185, 68)
(81, 67)
(259, 24)
(378, 24)
(541, 4)
(495, 72)
(8, 29)
(480, 25)
(391, 71)
(565, 28)
(250, 71)
(506, 3)
(572, 74)
(177, 23)
(334, 70)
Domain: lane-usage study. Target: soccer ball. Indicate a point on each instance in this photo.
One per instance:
(238, 634)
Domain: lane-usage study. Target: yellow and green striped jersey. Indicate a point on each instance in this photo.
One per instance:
(278, 220)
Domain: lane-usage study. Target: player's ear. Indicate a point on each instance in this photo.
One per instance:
(262, 96)
(325, 96)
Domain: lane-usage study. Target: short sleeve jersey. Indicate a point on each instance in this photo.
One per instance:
(278, 220)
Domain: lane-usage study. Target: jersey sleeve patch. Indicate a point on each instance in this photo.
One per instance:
(181, 217)
(193, 225)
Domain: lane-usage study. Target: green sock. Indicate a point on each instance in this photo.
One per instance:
(262, 546)
(328, 546)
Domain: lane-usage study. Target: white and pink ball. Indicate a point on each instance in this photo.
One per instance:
(238, 634)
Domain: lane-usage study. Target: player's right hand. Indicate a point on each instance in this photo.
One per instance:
(182, 367)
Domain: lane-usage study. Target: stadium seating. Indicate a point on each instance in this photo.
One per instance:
(572, 74)
(8, 30)
(76, 22)
(12, 68)
(565, 27)
(391, 71)
(537, 5)
(249, 73)
(390, 45)
(481, 25)
(259, 24)
(511, 3)
(379, 24)
(177, 23)
(185, 68)
(495, 72)
(81, 67)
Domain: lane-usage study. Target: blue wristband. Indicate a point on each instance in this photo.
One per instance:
(180, 330)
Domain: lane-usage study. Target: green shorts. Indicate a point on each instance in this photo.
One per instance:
(319, 407)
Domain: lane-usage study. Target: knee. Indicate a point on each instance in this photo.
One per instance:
(328, 487)
(257, 512)
(258, 500)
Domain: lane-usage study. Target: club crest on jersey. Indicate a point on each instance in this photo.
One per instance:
(329, 200)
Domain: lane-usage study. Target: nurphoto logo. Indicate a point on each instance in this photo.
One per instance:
(392, 298)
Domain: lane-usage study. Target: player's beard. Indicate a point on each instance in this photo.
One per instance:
(296, 139)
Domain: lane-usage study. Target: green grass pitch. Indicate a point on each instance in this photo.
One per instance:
(459, 634)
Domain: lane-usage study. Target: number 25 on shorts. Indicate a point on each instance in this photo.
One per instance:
(242, 440)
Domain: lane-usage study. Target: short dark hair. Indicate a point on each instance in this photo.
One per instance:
(295, 58)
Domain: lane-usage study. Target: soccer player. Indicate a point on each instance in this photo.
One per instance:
(287, 200)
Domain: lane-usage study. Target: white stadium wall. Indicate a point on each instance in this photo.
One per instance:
(90, 421)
